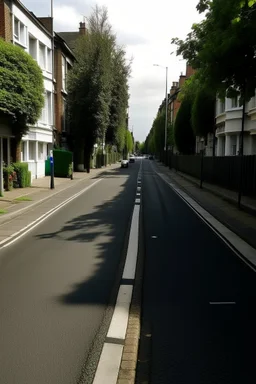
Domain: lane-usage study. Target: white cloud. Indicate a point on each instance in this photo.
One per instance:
(146, 29)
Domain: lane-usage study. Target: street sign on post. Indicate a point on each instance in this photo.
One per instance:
(52, 169)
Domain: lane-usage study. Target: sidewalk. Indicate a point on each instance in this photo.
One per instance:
(20, 199)
(220, 203)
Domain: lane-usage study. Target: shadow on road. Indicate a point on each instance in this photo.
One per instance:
(104, 230)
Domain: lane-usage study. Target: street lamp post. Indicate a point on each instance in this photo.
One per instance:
(166, 109)
(53, 109)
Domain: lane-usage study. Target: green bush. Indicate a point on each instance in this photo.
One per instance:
(9, 177)
(22, 172)
(28, 184)
(62, 162)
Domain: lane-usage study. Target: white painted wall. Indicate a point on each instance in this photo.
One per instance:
(40, 47)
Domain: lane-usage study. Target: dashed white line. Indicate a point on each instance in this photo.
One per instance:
(118, 326)
(222, 302)
(108, 367)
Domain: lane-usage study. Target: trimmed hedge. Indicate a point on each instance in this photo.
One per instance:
(23, 175)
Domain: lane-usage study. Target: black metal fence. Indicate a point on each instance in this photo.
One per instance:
(224, 171)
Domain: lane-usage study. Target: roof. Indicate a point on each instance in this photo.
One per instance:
(64, 44)
(32, 17)
(70, 38)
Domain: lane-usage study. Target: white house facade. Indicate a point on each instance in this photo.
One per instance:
(31, 35)
(229, 124)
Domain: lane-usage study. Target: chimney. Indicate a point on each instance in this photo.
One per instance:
(47, 23)
(82, 28)
(174, 87)
(189, 71)
(182, 80)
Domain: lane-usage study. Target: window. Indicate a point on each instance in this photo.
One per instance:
(64, 73)
(32, 47)
(63, 116)
(49, 108)
(43, 117)
(222, 106)
(32, 150)
(234, 102)
(49, 60)
(42, 58)
(253, 101)
(41, 151)
(23, 39)
(16, 28)
(233, 150)
(20, 32)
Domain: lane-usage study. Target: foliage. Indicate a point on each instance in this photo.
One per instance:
(23, 175)
(138, 147)
(203, 113)
(98, 87)
(222, 46)
(155, 140)
(121, 137)
(9, 176)
(21, 87)
(183, 132)
(202, 104)
(119, 97)
(129, 142)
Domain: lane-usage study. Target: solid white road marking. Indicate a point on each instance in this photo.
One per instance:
(222, 302)
(110, 359)
(42, 218)
(118, 325)
(242, 249)
(131, 258)
(153, 237)
(108, 367)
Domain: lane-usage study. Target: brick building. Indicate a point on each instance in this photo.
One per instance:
(63, 59)
(173, 101)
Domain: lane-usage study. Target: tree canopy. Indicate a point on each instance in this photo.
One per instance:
(223, 45)
(183, 132)
(154, 142)
(21, 87)
(98, 87)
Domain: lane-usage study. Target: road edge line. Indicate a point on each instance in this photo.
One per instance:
(8, 216)
(15, 236)
(213, 224)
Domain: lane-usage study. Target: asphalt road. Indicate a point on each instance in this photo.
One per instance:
(57, 286)
(185, 339)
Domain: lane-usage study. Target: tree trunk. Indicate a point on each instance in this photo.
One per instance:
(87, 160)
(17, 150)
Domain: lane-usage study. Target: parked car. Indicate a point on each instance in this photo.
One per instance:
(124, 163)
(132, 160)
(151, 157)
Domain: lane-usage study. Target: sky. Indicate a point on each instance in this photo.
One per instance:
(146, 31)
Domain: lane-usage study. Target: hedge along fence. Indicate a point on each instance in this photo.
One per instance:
(62, 160)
